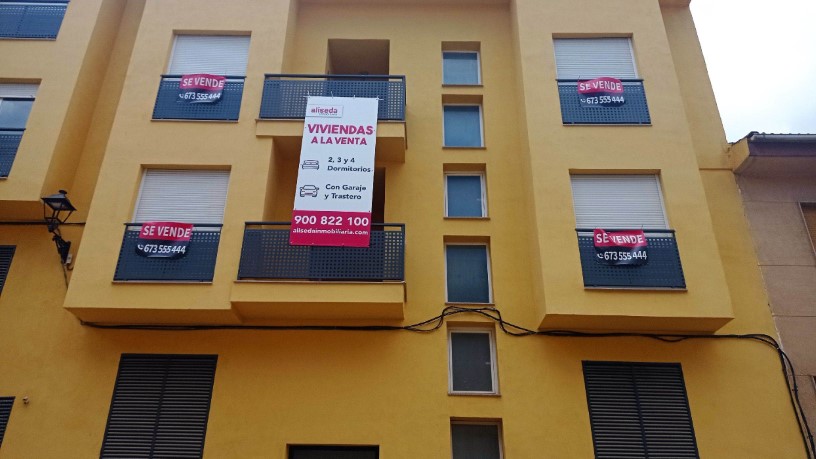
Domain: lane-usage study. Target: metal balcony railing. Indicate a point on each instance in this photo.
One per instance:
(197, 265)
(634, 111)
(9, 143)
(170, 107)
(663, 269)
(284, 95)
(266, 254)
(31, 18)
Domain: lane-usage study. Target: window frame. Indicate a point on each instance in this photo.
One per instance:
(497, 424)
(478, 67)
(481, 125)
(660, 197)
(494, 367)
(292, 448)
(489, 275)
(483, 191)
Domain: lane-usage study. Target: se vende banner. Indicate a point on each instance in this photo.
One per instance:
(335, 173)
(601, 92)
(620, 247)
(201, 88)
(164, 239)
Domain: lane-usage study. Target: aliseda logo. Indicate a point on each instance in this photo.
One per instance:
(324, 111)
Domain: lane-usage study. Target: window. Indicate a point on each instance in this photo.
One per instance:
(5, 412)
(6, 254)
(639, 410)
(618, 202)
(579, 59)
(586, 58)
(16, 101)
(333, 452)
(185, 196)
(809, 213)
(468, 273)
(37, 19)
(160, 406)
(223, 55)
(463, 125)
(476, 440)
(465, 195)
(472, 359)
(460, 67)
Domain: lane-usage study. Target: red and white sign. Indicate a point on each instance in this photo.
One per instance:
(201, 88)
(164, 239)
(601, 92)
(335, 173)
(620, 247)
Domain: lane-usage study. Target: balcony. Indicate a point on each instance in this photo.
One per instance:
(34, 19)
(284, 96)
(281, 281)
(170, 107)
(662, 271)
(196, 266)
(634, 111)
(9, 143)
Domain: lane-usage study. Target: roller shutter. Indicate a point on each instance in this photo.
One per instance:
(160, 407)
(5, 412)
(583, 58)
(618, 201)
(639, 410)
(20, 90)
(215, 54)
(191, 196)
(6, 254)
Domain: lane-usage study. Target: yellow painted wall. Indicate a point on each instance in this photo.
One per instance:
(274, 388)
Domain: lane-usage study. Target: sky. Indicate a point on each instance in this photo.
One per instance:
(761, 57)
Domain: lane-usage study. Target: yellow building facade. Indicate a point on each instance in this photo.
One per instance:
(490, 178)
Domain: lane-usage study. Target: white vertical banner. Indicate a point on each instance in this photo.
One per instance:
(335, 173)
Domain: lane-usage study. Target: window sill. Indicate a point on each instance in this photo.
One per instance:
(453, 303)
(174, 282)
(186, 120)
(610, 124)
(462, 85)
(28, 39)
(647, 289)
(466, 218)
(453, 147)
(474, 394)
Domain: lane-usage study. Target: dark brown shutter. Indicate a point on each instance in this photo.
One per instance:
(160, 407)
(639, 410)
(6, 253)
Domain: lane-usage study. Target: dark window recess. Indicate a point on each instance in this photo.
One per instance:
(333, 452)
(475, 441)
(471, 362)
(170, 107)
(467, 274)
(6, 254)
(160, 407)
(639, 410)
(5, 412)
(634, 111)
(31, 19)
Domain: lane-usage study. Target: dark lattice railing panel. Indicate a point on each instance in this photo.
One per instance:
(170, 107)
(285, 97)
(9, 143)
(197, 265)
(266, 254)
(30, 20)
(634, 111)
(663, 269)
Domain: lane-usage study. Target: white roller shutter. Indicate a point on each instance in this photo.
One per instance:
(216, 54)
(18, 90)
(188, 196)
(581, 58)
(618, 201)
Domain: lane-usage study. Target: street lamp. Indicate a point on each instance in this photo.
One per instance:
(59, 205)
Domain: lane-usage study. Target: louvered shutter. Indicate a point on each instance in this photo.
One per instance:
(160, 407)
(584, 58)
(27, 91)
(6, 254)
(215, 54)
(618, 201)
(639, 410)
(190, 196)
(5, 412)
(809, 212)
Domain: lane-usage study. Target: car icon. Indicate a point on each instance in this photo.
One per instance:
(309, 190)
(310, 164)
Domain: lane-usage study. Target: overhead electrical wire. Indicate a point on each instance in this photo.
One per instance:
(492, 313)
